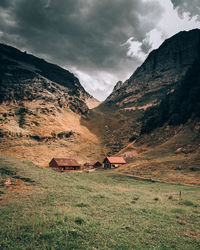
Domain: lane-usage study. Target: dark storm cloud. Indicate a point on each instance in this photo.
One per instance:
(4, 3)
(190, 6)
(84, 33)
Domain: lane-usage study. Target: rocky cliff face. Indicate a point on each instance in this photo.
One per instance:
(160, 72)
(26, 77)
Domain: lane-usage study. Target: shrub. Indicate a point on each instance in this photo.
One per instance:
(79, 221)
(170, 197)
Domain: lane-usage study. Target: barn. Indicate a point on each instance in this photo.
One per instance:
(63, 164)
(113, 162)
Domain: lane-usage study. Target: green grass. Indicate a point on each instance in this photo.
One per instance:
(100, 210)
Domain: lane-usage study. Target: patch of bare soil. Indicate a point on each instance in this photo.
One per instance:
(16, 187)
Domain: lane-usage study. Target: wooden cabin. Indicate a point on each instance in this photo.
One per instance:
(97, 164)
(94, 164)
(113, 162)
(63, 164)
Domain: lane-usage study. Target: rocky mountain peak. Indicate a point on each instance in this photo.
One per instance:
(118, 85)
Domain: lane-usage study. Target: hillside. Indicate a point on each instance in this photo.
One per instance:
(44, 209)
(40, 111)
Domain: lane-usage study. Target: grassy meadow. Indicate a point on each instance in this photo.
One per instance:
(44, 209)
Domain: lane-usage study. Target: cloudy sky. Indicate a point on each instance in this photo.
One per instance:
(100, 41)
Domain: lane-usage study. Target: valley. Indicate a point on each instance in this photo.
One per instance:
(152, 119)
(100, 125)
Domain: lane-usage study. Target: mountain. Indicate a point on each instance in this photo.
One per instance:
(159, 74)
(26, 77)
(168, 146)
(123, 111)
(41, 105)
(153, 118)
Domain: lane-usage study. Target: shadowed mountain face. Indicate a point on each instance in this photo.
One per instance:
(159, 74)
(179, 106)
(26, 77)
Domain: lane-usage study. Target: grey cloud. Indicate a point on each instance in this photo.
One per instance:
(146, 46)
(190, 6)
(86, 34)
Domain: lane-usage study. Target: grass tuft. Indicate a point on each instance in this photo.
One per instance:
(178, 210)
(82, 205)
(188, 203)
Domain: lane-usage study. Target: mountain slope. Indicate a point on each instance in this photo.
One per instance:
(41, 106)
(158, 76)
(160, 72)
(26, 77)
(168, 146)
(179, 106)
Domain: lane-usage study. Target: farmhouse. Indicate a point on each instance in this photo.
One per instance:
(62, 164)
(113, 162)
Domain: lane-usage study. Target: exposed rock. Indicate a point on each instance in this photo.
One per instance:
(179, 150)
(118, 85)
(7, 182)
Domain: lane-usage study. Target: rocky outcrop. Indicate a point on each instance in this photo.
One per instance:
(118, 85)
(160, 72)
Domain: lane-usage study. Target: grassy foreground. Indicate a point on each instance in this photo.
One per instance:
(43, 209)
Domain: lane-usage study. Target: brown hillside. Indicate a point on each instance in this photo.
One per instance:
(44, 131)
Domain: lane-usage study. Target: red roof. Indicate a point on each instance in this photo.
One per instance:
(116, 160)
(66, 162)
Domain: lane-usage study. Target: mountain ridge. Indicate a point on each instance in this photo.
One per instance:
(21, 71)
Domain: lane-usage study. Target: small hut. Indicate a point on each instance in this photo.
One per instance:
(94, 164)
(113, 162)
(97, 164)
(63, 164)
